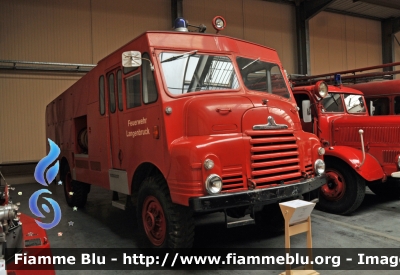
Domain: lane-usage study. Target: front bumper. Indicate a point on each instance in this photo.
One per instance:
(257, 196)
(396, 174)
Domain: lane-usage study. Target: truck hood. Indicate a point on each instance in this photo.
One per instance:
(235, 114)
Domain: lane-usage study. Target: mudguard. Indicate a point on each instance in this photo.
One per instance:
(371, 169)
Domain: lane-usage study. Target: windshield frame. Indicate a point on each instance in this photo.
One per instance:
(158, 53)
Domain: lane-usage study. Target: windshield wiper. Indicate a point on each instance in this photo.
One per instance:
(244, 67)
(334, 99)
(179, 56)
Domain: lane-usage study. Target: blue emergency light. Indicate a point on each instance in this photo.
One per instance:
(338, 79)
(180, 25)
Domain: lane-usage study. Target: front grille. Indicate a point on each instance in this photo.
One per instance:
(274, 157)
(232, 178)
(389, 156)
(309, 169)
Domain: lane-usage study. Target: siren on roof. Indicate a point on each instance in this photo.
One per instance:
(180, 25)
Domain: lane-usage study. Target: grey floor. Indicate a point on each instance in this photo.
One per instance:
(99, 225)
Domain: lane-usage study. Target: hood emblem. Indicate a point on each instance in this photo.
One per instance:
(271, 125)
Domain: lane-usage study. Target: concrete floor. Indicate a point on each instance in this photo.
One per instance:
(99, 225)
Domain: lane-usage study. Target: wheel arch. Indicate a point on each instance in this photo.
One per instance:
(143, 171)
(371, 170)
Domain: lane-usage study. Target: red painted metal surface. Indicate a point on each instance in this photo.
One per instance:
(30, 230)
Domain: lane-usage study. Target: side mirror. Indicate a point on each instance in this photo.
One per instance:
(306, 109)
(131, 59)
(371, 108)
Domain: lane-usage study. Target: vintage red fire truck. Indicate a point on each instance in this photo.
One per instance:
(360, 150)
(187, 123)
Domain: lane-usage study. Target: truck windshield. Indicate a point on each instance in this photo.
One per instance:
(354, 103)
(192, 72)
(262, 76)
(333, 103)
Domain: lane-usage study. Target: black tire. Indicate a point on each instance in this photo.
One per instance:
(389, 190)
(80, 190)
(270, 219)
(168, 225)
(345, 189)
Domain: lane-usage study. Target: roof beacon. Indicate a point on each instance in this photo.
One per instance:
(180, 25)
(338, 80)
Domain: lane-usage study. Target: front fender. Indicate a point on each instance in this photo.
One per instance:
(371, 169)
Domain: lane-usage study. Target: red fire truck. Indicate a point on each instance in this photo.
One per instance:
(360, 150)
(187, 123)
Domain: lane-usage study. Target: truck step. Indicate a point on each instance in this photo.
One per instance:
(119, 204)
(118, 200)
(240, 223)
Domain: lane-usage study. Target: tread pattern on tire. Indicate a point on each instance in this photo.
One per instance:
(180, 221)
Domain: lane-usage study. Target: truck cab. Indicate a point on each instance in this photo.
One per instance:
(360, 150)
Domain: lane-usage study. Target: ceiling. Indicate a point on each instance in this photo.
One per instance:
(371, 9)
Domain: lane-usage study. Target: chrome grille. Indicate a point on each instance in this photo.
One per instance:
(274, 157)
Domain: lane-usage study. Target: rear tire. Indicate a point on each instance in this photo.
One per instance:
(163, 223)
(344, 191)
(79, 190)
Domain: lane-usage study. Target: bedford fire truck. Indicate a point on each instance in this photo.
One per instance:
(360, 150)
(185, 123)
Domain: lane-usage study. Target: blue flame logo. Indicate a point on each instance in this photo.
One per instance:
(40, 173)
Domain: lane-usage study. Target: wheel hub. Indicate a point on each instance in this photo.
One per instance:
(154, 220)
(335, 187)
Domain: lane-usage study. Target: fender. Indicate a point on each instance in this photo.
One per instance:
(371, 169)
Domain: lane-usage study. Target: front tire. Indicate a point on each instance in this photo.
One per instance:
(165, 224)
(344, 191)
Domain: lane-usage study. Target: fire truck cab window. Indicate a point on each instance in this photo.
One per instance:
(396, 105)
(191, 72)
(101, 95)
(132, 86)
(111, 92)
(263, 76)
(119, 90)
(148, 84)
(381, 105)
(333, 103)
(354, 103)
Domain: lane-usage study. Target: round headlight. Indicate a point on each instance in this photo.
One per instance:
(321, 151)
(219, 23)
(319, 167)
(398, 161)
(213, 184)
(321, 89)
(208, 164)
